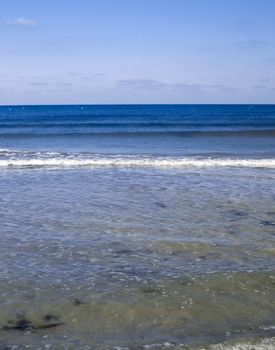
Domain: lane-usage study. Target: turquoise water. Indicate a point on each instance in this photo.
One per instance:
(137, 239)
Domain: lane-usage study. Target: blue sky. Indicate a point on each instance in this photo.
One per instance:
(137, 51)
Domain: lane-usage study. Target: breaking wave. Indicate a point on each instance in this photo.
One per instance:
(23, 159)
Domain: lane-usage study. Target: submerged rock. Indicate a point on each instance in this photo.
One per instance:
(25, 325)
(78, 302)
(50, 317)
(267, 223)
(161, 205)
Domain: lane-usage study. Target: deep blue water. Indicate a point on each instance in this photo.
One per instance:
(163, 130)
(136, 118)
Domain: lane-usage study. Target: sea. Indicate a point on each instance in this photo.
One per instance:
(137, 227)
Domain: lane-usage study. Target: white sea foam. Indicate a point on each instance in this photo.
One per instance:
(263, 344)
(67, 161)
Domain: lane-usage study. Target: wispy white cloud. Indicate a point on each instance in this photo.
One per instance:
(22, 22)
(141, 84)
(99, 75)
(149, 84)
(252, 44)
(85, 76)
(50, 84)
(270, 60)
(263, 87)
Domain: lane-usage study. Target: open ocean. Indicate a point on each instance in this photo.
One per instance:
(137, 227)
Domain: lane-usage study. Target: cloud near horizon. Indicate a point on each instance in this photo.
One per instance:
(253, 44)
(22, 22)
(150, 84)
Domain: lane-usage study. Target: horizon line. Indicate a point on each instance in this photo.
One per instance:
(135, 104)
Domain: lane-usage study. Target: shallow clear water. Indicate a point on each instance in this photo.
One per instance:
(137, 250)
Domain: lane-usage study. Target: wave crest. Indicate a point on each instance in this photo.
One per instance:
(23, 159)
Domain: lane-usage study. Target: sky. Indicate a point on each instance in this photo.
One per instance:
(137, 51)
